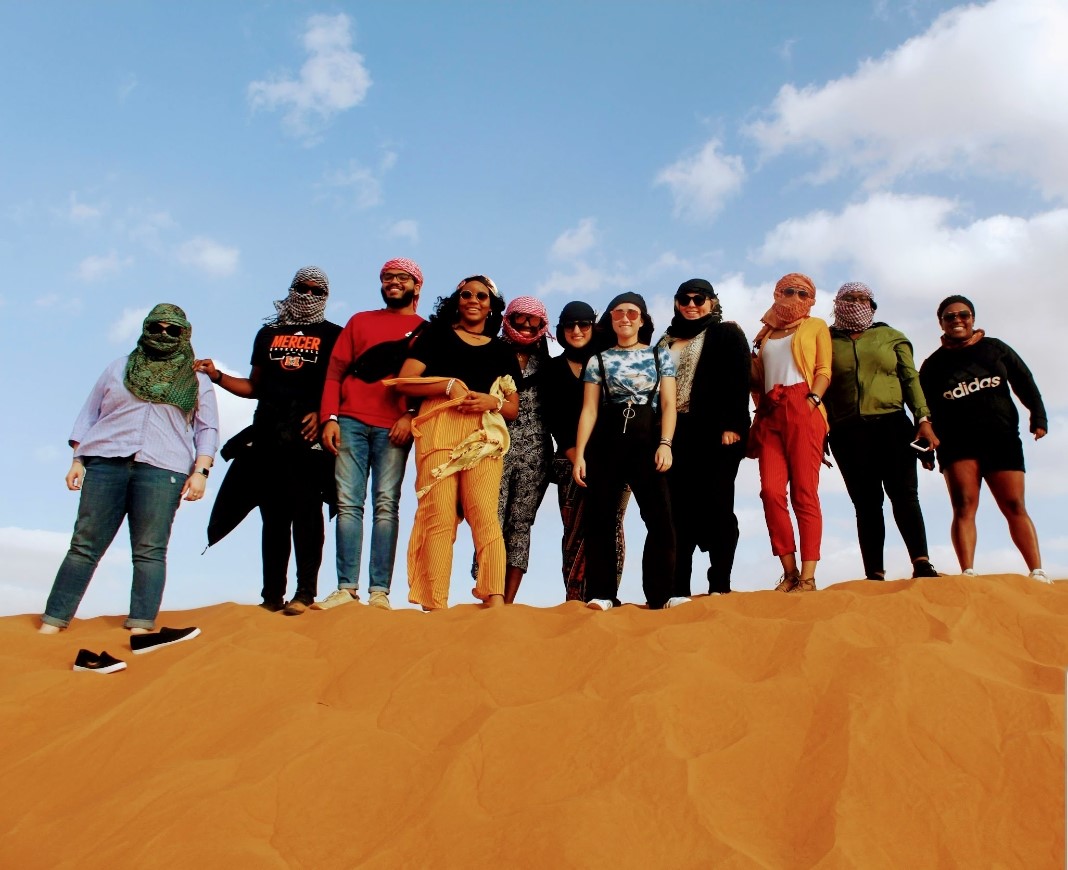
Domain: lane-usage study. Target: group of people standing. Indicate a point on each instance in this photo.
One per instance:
(495, 417)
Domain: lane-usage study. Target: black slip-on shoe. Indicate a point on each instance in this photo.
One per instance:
(144, 643)
(88, 660)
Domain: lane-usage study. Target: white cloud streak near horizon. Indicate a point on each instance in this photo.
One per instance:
(976, 92)
(332, 79)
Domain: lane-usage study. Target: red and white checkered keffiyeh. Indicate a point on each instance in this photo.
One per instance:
(400, 264)
(525, 305)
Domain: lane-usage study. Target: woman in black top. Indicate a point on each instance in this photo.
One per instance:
(467, 379)
(966, 382)
(712, 385)
(561, 398)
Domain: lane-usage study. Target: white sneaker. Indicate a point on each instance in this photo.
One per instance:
(970, 572)
(380, 599)
(336, 599)
(599, 604)
(677, 601)
(1040, 575)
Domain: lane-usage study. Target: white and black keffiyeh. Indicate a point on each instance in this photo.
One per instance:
(299, 308)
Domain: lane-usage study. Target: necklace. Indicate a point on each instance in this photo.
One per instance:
(463, 328)
(632, 346)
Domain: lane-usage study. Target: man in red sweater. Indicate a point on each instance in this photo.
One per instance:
(367, 426)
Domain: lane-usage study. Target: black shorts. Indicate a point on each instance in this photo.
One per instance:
(1004, 453)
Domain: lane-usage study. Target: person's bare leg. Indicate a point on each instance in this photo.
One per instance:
(49, 629)
(963, 481)
(493, 601)
(808, 569)
(138, 630)
(1007, 487)
(512, 578)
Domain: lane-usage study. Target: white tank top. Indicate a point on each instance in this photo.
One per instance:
(779, 365)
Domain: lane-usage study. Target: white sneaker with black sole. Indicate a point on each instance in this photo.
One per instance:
(599, 604)
(145, 643)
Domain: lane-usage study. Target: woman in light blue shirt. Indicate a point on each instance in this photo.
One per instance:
(624, 438)
(144, 440)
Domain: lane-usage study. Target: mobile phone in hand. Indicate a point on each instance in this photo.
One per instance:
(921, 445)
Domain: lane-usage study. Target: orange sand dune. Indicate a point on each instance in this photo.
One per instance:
(904, 724)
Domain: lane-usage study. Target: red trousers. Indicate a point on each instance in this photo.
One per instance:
(791, 433)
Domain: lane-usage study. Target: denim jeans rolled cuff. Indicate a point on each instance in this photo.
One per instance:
(367, 453)
(113, 490)
(54, 621)
(139, 623)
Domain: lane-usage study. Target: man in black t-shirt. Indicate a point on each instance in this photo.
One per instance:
(290, 355)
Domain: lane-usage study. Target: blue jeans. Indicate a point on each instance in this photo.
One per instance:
(367, 449)
(113, 489)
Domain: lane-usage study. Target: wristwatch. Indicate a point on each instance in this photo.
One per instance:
(203, 471)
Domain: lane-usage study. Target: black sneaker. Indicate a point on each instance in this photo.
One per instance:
(143, 643)
(272, 606)
(924, 568)
(88, 660)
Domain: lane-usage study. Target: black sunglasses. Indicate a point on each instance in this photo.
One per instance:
(697, 299)
(584, 325)
(171, 329)
(950, 316)
(304, 289)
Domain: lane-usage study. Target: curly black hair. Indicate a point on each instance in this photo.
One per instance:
(447, 309)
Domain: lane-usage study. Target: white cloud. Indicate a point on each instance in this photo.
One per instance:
(209, 257)
(97, 267)
(80, 211)
(31, 557)
(916, 250)
(332, 79)
(362, 183)
(977, 91)
(573, 243)
(701, 184)
(582, 282)
(127, 328)
(404, 229)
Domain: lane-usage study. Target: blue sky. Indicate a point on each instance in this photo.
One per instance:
(200, 153)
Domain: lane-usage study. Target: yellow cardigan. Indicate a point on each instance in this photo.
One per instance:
(811, 348)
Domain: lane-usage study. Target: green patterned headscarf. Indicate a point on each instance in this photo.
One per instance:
(160, 368)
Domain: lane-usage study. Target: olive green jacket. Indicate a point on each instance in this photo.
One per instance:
(872, 374)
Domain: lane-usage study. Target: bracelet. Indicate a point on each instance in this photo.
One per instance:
(218, 380)
(500, 402)
(815, 398)
(666, 442)
(448, 386)
(413, 411)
